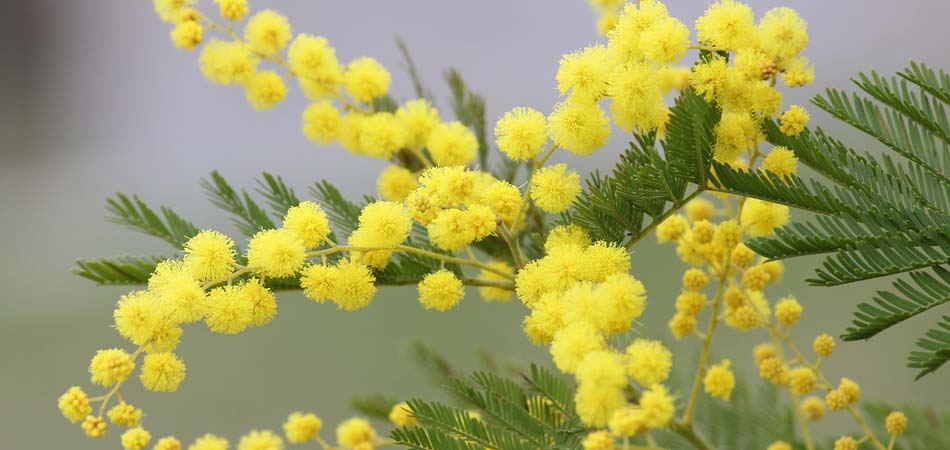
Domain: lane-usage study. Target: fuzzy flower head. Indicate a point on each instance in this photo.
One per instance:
(813, 408)
(572, 343)
(353, 286)
(261, 440)
(440, 290)
(579, 126)
(366, 79)
(395, 183)
(125, 415)
(321, 122)
(401, 415)
(262, 300)
(418, 118)
(782, 34)
(227, 62)
(823, 345)
(657, 406)
(169, 10)
(353, 432)
(671, 229)
(94, 427)
(74, 404)
(727, 24)
(554, 188)
(793, 120)
(209, 255)
(228, 310)
(314, 61)
(265, 89)
(504, 199)
(300, 427)
(520, 133)
(781, 161)
(801, 380)
(626, 422)
(682, 325)
(187, 35)
(649, 362)
(624, 39)
(566, 235)
(309, 221)
(387, 223)
(162, 372)
(452, 144)
(111, 366)
(896, 423)
(491, 293)
(381, 135)
(137, 317)
(267, 32)
(719, 380)
(761, 218)
(637, 98)
(584, 73)
(276, 253)
(136, 439)
(598, 440)
(788, 311)
(317, 282)
(665, 41)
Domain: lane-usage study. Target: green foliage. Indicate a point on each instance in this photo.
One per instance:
(374, 406)
(469, 108)
(120, 270)
(137, 215)
(249, 218)
(927, 428)
(873, 215)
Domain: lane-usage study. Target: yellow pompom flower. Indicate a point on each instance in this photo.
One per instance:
(572, 343)
(779, 445)
(401, 415)
(823, 345)
(695, 279)
(387, 224)
(626, 422)
(452, 144)
(261, 440)
(110, 366)
(228, 310)
(366, 79)
(209, 255)
(554, 188)
(728, 234)
(801, 380)
(381, 135)
(578, 126)
(314, 61)
(846, 443)
(637, 98)
(440, 290)
(648, 362)
(690, 303)
(601, 378)
(137, 317)
(782, 33)
(793, 121)
(267, 32)
(774, 370)
(177, 290)
(735, 134)
(94, 426)
(169, 10)
(136, 439)
(742, 256)
(125, 415)
(682, 325)
(788, 311)
(209, 442)
(262, 300)
(418, 118)
(351, 132)
(719, 380)
(317, 282)
(276, 253)
(813, 408)
(520, 133)
(584, 73)
(799, 72)
(227, 62)
(896, 423)
(606, 23)
(395, 183)
(353, 432)
(761, 218)
(780, 161)
(835, 400)
(636, 17)
(605, 260)
(671, 229)
(300, 427)
(699, 209)
(545, 320)
(598, 440)
(665, 41)
(321, 122)
(353, 286)
(232, 9)
(849, 389)
(504, 199)
(775, 270)
(162, 372)
(657, 406)
(709, 78)
(726, 24)
(265, 89)
(187, 35)
(168, 443)
(566, 235)
(309, 221)
(74, 404)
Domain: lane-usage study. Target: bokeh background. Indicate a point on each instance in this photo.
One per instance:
(94, 100)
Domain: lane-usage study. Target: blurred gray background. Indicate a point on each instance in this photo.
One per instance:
(94, 99)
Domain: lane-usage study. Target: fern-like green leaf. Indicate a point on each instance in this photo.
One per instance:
(278, 196)
(118, 271)
(925, 291)
(137, 215)
(934, 349)
(249, 218)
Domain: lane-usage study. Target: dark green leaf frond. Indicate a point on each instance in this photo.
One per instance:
(137, 215)
(935, 349)
(907, 299)
(121, 271)
(249, 218)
